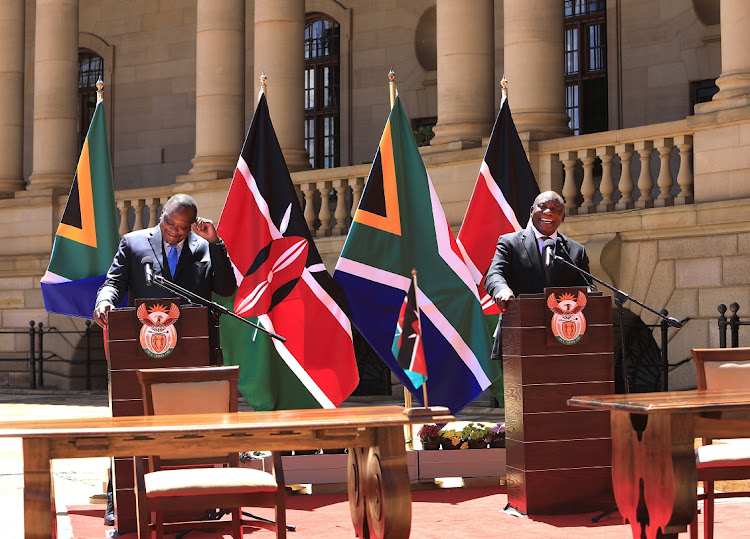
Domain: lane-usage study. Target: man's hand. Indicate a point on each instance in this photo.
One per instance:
(502, 297)
(100, 313)
(205, 229)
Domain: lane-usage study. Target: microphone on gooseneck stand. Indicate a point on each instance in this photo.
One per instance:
(548, 248)
(148, 268)
(566, 256)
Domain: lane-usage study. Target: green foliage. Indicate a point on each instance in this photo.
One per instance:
(475, 432)
(423, 135)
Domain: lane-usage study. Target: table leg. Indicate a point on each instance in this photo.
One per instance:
(379, 489)
(653, 472)
(356, 463)
(40, 520)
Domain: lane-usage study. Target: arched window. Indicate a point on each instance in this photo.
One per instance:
(90, 69)
(586, 65)
(322, 86)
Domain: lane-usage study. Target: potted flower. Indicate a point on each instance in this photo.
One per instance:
(252, 459)
(475, 435)
(450, 439)
(496, 437)
(429, 435)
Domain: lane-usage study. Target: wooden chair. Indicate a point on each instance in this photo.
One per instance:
(196, 485)
(720, 368)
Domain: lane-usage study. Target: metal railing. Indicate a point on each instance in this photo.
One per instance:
(733, 323)
(641, 373)
(37, 357)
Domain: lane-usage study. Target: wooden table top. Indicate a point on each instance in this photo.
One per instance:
(668, 401)
(364, 416)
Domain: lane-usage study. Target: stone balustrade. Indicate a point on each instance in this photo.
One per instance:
(330, 197)
(635, 168)
(615, 170)
(140, 208)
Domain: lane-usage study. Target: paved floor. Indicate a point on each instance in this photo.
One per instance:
(77, 480)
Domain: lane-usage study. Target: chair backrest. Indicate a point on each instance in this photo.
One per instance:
(194, 390)
(190, 390)
(722, 368)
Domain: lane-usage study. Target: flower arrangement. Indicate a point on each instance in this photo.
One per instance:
(246, 456)
(451, 439)
(496, 436)
(474, 435)
(475, 432)
(429, 432)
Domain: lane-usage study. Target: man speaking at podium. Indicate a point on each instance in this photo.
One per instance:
(523, 265)
(183, 248)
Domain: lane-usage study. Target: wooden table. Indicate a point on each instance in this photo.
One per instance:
(379, 490)
(653, 456)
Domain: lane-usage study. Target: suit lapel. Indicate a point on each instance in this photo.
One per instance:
(157, 246)
(186, 256)
(534, 256)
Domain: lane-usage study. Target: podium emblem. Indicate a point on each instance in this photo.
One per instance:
(568, 321)
(158, 334)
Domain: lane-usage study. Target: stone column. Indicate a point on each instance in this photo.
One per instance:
(11, 88)
(55, 91)
(734, 82)
(280, 52)
(534, 67)
(219, 88)
(466, 72)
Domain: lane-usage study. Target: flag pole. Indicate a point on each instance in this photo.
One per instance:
(407, 394)
(424, 384)
(392, 93)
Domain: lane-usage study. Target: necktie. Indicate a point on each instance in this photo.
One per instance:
(547, 270)
(172, 258)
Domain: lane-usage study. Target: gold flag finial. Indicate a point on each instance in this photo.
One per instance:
(99, 90)
(392, 86)
(504, 84)
(263, 80)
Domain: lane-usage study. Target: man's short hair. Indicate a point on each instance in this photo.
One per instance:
(545, 196)
(182, 200)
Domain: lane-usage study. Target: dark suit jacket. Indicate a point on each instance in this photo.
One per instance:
(518, 265)
(202, 268)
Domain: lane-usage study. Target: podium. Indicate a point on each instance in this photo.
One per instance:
(194, 346)
(558, 458)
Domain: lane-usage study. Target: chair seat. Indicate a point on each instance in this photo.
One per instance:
(207, 481)
(720, 455)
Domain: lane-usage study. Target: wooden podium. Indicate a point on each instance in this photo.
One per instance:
(558, 459)
(194, 346)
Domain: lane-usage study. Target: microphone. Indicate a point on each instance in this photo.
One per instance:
(148, 268)
(548, 248)
(674, 322)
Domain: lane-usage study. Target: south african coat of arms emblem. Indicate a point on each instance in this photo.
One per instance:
(568, 322)
(158, 334)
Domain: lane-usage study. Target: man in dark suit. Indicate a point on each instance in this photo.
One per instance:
(200, 259)
(518, 266)
(199, 263)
